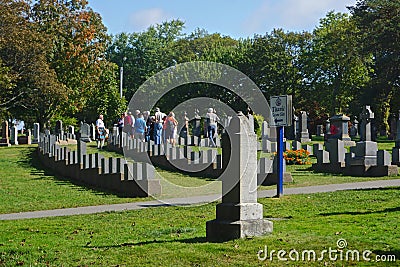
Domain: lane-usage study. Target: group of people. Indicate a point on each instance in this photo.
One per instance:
(159, 128)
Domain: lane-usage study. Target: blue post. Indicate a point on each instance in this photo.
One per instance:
(280, 161)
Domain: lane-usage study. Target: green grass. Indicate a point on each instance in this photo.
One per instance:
(175, 236)
(91, 148)
(304, 176)
(26, 186)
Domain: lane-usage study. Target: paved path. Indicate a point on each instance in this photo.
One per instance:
(193, 200)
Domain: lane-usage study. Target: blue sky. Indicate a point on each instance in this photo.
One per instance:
(236, 18)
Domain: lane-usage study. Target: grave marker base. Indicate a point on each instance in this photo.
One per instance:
(218, 231)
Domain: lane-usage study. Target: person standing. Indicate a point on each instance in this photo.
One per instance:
(170, 128)
(101, 132)
(127, 124)
(212, 124)
(120, 123)
(147, 119)
(185, 128)
(132, 129)
(140, 127)
(158, 126)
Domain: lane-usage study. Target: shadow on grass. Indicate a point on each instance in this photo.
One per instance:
(194, 240)
(395, 209)
(190, 174)
(39, 170)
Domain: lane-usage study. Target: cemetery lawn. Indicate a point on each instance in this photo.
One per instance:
(176, 236)
(26, 186)
(304, 176)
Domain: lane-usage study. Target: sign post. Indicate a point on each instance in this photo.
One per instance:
(281, 115)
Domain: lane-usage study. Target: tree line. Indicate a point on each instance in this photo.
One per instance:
(58, 62)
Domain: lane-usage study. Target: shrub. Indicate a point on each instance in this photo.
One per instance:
(298, 157)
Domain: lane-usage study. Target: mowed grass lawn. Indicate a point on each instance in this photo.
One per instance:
(176, 236)
(26, 186)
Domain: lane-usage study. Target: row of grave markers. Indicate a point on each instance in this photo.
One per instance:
(133, 147)
(364, 159)
(135, 179)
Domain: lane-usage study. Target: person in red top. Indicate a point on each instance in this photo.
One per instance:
(170, 128)
(127, 124)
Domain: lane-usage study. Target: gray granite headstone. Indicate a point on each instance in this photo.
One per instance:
(81, 150)
(239, 215)
(265, 130)
(14, 135)
(36, 131)
(366, 117)
(265, 145)
(304, 135)
(320, 130)
(92, 132)
(28, 137)
(384, 158)
(336, 150)
(85, 132)
(365, 153)
(341, 125)
(322, 156)
(5, 141)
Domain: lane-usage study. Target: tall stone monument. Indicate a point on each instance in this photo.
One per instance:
(365, 150)
(14, 135)
(239, 215)
(265, 130)
(304, 135)
(5, 141)
(339, 125)
(36, 133)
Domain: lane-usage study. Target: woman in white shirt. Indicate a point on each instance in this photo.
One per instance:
(101, 133)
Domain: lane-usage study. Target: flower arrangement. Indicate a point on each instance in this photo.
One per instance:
(299, 157)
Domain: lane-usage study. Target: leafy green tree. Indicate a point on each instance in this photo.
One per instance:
(379, 24)
(146, 53)
(32, 90)
(273, 62)
(106, 99)
(335, 70)
(78, 42)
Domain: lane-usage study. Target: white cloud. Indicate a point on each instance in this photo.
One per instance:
(142, 19)
(294, 15)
